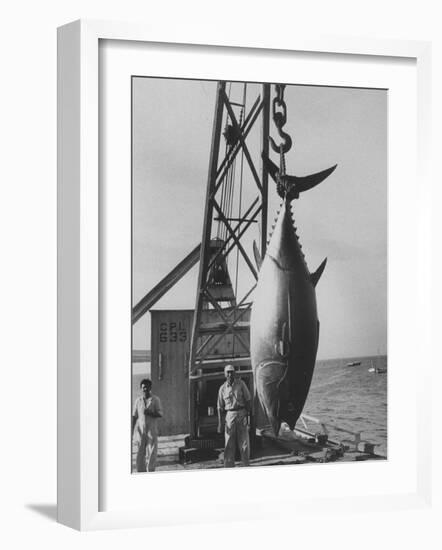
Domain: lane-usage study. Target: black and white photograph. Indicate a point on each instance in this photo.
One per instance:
(222, 223)
(221, 263)
(259, 274)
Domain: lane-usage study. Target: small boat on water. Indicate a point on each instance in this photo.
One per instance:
(376, 370)
(353, 364)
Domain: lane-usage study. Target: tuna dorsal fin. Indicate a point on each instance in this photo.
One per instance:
(257, 255)
(314, 277)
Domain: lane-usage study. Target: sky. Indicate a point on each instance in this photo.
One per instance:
(344, 218)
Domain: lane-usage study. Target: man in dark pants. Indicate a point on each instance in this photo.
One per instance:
(234, 402)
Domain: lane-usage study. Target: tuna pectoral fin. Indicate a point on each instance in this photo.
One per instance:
(314, 277)
(282, 347)
(257, 255)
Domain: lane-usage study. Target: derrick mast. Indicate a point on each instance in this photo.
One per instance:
(235, 206)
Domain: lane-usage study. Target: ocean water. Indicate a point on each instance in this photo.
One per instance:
(351, 398)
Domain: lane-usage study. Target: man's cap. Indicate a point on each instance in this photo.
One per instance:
(229, 368)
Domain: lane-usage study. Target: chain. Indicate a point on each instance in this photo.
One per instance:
(280, 117)
(279, 113)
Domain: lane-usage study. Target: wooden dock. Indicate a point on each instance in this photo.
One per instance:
(289, 448)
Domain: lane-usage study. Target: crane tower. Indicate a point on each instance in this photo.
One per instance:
(236, 202)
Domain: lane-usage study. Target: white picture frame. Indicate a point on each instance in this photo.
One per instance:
(79, 274)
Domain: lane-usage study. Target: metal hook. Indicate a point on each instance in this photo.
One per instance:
(286, 144)
(279, 109)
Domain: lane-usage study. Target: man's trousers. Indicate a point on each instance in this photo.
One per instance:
(236, 437)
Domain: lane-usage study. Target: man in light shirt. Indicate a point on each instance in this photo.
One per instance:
(146, 413)
(234, 404)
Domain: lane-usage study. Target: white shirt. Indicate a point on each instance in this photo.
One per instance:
(233, 397)
(146, 423)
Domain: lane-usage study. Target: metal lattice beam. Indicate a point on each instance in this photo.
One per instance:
(206, 336)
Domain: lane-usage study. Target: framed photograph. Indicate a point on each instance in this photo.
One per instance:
(235, 287)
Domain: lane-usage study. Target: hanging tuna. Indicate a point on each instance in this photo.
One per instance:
(284, 326)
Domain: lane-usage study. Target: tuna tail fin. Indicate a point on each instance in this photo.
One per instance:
(314, 277)
(290, 186)
(257, 255)
(305, 183)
